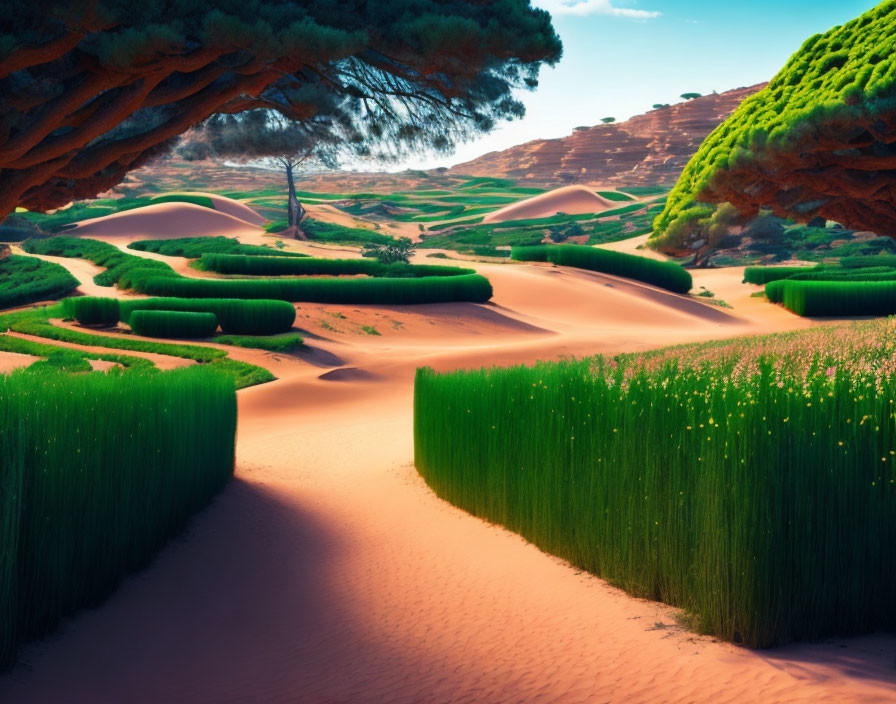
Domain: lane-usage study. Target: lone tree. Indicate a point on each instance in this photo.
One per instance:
(691, 96)
(819, 140)
(607, 120)
(267, 135)
(90, 89)
(660, 106)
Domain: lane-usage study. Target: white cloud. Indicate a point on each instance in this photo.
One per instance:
(593, 7)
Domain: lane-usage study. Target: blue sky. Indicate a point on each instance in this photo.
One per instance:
(621, 57)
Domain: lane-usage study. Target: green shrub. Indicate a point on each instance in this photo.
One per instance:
(99, 471)
(763, 274)
(668, 275)
(749, 482)
(236, 316)
(171, 323)
(92, 311)
(431, 289)
(25, 280)
(340, 234)
(195, 247)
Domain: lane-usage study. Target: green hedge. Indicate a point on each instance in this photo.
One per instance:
(171, 323)
(99, 471)
(90, 310)
(667, 275)
(838, 298)
(25, 280)
(281, 266)
(762, 502)
(761, 275)
(118, 264)
(236, 316)
(195, 247)
(384, 291)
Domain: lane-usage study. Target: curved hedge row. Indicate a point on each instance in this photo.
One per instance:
(280, 266)
(762, 275)
(668, 275)
(99, 471)
(173, 323)
(236, 316)
(25, 280)
(432, 289)
(836, 298)
(91, 310)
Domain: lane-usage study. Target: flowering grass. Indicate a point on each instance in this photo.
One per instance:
(751, 482)
(98, 472)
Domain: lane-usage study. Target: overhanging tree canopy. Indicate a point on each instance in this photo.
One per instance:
(90, 89)
(819, 140)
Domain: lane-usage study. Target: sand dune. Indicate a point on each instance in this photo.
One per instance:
(239, 210)
(165, 221)
(329, 572)
(572, 200)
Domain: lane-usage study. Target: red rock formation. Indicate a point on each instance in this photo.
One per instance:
(649, 149)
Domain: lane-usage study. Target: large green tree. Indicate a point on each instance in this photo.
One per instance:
(265, 135)
(818, 141)
(90, 89)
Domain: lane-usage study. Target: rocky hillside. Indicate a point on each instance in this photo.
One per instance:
(649, 149)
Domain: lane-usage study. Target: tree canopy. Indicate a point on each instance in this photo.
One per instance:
(819, 140)
(90, 90)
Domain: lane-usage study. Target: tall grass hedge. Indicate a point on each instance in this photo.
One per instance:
(837, 298)
(385, 291)
(754, 487)
(90, 310)
(282, 266)
(762, 275)
(667, 275)
(236, 316)
(98, 471)
(171, 323)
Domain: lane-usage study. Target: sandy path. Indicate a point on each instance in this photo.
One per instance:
(328, 572)
(10, 361)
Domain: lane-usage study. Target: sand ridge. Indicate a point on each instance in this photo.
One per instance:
(165, 221)
(572, 200)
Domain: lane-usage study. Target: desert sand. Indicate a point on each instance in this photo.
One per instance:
(230, 206)
(572, 200)
(327, 571)
(163, 221)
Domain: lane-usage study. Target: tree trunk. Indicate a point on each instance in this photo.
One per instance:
(295, 213)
